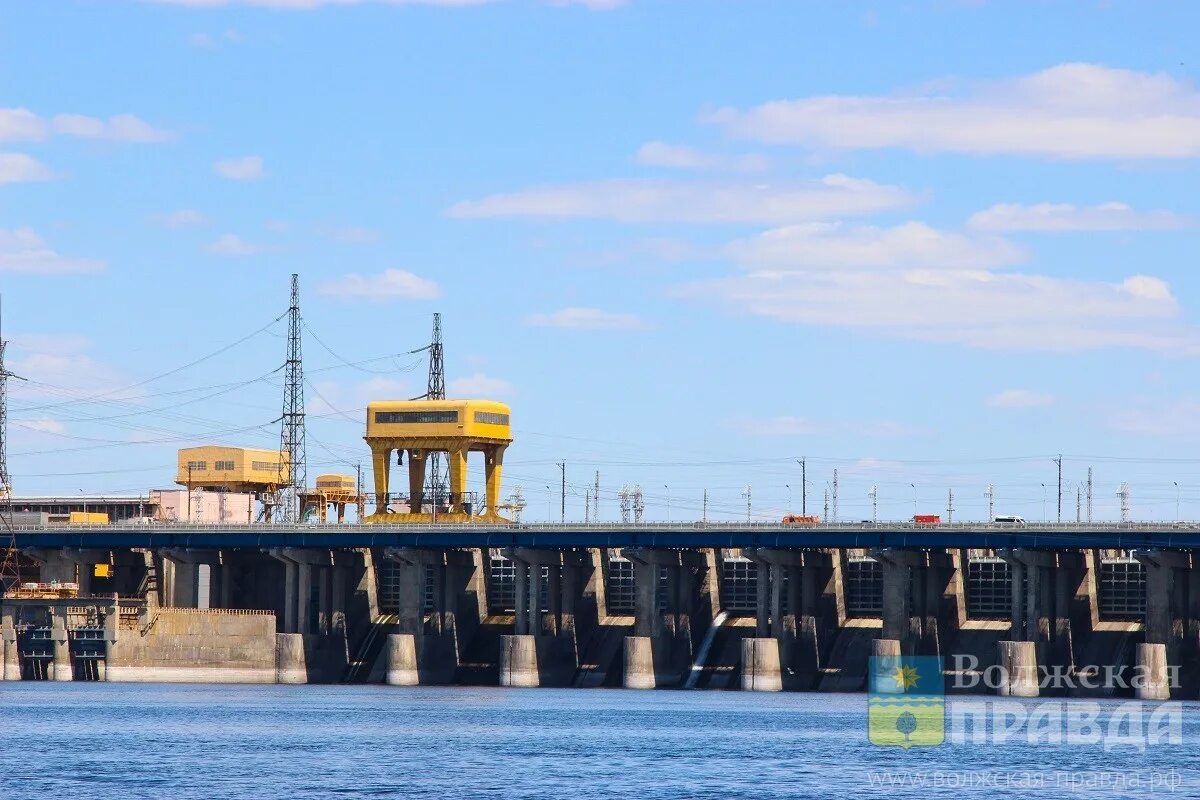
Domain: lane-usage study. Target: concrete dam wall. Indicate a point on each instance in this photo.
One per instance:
(720, 618)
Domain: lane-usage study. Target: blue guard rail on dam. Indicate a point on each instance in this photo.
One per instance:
(1130, 536)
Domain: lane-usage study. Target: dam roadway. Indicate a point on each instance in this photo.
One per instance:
(688, 535)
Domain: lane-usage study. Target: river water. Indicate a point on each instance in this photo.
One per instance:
(181, 742)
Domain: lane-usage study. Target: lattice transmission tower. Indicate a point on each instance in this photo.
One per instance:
(291, 437)
(9, 572)
(436, 390)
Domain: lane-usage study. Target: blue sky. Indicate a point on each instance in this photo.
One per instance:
(920, 243)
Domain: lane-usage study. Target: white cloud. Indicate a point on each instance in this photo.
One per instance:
(1067, 111)
(1020, 398)
(387, 285)
(349, 401)
(588, 319)
(835, 245)
(244, 168)
(22, 168)
(21, 124)
(43, 425)
(23, 251)
(803, 426)
(661, 154)
(480, 385)
(975, 307)
(1055, 217)
(1159, 418)
(58, 363)
(182, 218)
(121, 128)
(233, 246)
(672, 201)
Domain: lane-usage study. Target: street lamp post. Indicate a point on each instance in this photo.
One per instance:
(1176, 500)
(788, 486)
(668, 488)
(549, 504)
(1043, 502)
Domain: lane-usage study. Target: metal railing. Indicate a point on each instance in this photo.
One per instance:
(1050, 527)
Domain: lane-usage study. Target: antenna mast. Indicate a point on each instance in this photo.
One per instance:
(291, 440)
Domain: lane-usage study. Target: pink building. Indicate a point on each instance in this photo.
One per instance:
(206, 506)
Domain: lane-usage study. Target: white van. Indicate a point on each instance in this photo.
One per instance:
(1009, 520)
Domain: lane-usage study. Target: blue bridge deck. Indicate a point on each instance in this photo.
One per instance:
(1130, 536)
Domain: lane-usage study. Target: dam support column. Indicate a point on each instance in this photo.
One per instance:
(661, 650)
(544, 649)
(61, 665)
(1167, 584)
(307, 603)
(402, 667)
(778, 656)
(12, 652)
(431, 584)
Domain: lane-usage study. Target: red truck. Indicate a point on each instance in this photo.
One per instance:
(926, 519)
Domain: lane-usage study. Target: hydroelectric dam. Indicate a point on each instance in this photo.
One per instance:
(752, 606)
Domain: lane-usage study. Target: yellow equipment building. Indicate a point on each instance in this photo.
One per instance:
(333, 490)
(419, 428)
(234, 469)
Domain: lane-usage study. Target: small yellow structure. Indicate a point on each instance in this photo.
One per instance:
(235, 469)
(332, 490)
(421, 427)
(87, 518)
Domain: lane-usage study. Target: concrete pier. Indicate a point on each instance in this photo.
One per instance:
(1152, 664)
(402, 660)
(639, 663)
(1018, 669)
(61, 666)
(519, 661)
(12, 654)
(290, 663)
(760, 665)
(885, 648)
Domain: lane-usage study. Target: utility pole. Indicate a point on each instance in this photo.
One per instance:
(826, 517)
(1078, 504)
(587, 505)
(835, 496)
(1089, 496)
(874, 495)
(358, 492)
(803, 462)
(990, 494)
(189, 514)
(562, 465)
(1058, 461)
(746, 494)
(950, 506)
(291, 438)
(596, 498)
(704, 512)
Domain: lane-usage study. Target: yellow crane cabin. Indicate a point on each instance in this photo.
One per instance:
(415, 429)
